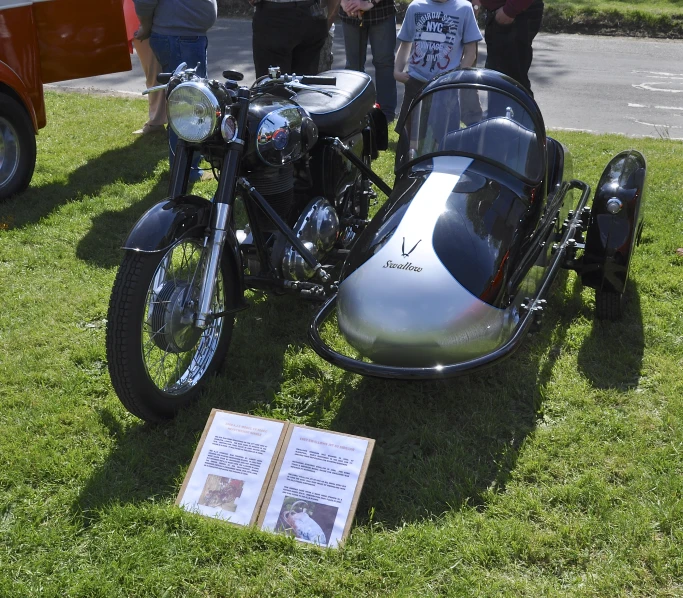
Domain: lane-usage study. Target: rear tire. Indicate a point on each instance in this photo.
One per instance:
(608, 305)
(17, 147)
(158, 360)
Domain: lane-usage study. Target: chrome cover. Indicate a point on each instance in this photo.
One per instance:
(279, 136)
(403, 307)
(317, 227)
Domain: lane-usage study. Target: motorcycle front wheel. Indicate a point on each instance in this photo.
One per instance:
(158, 360)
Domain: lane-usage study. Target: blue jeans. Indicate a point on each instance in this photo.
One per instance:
(382, 37)
(170, 51)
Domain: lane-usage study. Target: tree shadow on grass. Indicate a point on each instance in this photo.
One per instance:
(101, 245)
(130, 164)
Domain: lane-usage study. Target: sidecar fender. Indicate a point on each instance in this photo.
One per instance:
(612, 235)
(171, 220)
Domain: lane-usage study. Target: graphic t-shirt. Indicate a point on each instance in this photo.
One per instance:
(438, 31)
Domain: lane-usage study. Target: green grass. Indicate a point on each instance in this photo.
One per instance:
(559, 472)
(642, 18)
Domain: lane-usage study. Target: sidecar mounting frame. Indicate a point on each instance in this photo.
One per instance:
(338, 145)
(532, 310)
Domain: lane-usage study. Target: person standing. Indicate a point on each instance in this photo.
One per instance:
(511, 26)
(436, 36)
(290, 35)
(373, 21)
(150, 65)
(176, 30)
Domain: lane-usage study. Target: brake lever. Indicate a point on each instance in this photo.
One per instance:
(297, 85)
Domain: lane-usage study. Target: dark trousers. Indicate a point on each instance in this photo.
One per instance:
(412, 88)
(289, 35)
(508, 47)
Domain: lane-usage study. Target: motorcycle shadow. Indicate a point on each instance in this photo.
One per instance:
(445, 444)
(612, 356)
(149, 461)
(439, 445)
(140, 158)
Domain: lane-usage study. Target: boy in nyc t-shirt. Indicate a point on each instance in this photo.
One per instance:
(436, 36)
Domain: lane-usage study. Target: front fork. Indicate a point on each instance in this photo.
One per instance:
(221, 215)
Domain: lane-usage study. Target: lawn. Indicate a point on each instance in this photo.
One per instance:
(559, 472)
(646, 18)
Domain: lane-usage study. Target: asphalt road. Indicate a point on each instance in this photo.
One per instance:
(601, 84)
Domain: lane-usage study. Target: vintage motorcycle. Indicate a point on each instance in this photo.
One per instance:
(296, 152)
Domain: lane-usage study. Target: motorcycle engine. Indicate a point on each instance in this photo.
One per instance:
(277, 187)
(318, 229)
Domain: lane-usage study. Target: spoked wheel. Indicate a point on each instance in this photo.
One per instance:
(158, 360)
(608, 305)
(17, 147)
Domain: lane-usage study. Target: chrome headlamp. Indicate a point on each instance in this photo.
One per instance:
(193, 111)
(278, 140)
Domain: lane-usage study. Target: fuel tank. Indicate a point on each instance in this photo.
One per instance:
(427, 281)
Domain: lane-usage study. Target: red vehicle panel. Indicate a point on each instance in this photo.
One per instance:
(43, 41)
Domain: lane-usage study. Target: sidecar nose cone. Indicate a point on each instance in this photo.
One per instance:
(400, 316)
(403, 307)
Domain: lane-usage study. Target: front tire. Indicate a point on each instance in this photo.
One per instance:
(158, 360)
(17, 147)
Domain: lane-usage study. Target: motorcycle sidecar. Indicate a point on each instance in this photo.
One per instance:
(454, 268)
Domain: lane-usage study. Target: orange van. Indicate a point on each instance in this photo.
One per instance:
(43, 41)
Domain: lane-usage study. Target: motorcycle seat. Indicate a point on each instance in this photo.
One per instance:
(343, 111)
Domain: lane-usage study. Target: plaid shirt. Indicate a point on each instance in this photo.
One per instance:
(383, 10)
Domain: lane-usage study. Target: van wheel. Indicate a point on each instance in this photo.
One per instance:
(17, 147)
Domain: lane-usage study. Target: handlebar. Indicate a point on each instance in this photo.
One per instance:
(164, 78)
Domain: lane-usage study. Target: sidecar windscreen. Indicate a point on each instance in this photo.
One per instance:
(479, 123)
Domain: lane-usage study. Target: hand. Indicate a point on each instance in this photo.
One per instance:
(401, 76)
(355, 8)
(476, 6)
(502, 18)
(143, 33)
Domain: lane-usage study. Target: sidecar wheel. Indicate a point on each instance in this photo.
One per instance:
(608, 305)
(158, 360)
(17, 147)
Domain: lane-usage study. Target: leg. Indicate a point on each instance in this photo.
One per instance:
(502, 48)
(532, 19)
(326, 54)
(412, 88)
(151, 68)
(271, 37)
(509, 46)
(306, 53)
(170, 52)
(383, 43)
(356, 46)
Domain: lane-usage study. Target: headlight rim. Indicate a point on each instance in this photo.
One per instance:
(215, 106)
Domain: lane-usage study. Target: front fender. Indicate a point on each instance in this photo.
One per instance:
(167, 222)
(611, 237)
(171, 220)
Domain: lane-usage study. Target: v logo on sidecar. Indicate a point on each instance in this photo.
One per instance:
(403, 248)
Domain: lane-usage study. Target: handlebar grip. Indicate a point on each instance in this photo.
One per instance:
(315, 80)
(164, 78)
